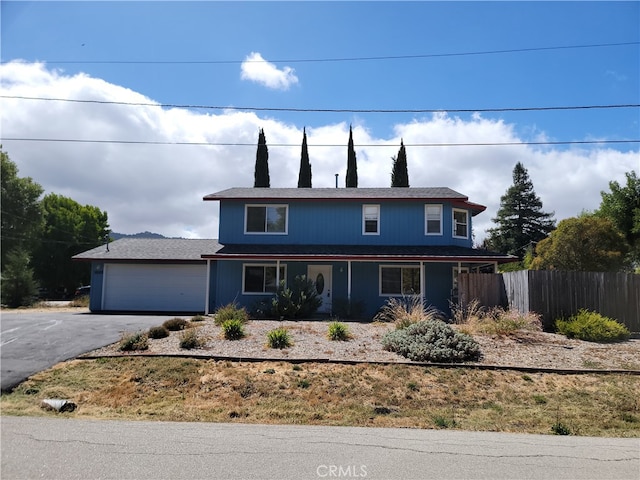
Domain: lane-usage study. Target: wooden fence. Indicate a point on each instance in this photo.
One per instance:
(554, 294)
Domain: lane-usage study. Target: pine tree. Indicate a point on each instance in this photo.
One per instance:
(400, 173)
(352, 167)
(304, 177)
(261, 174)
(520, 220)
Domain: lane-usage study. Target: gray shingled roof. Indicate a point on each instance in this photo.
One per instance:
(362, 252)
(157, 249)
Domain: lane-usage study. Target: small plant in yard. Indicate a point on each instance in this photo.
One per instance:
(190, 339)
(494, 321)
(406, 311)
(198, 318)
(233, 329)
(431, 341)
(133, 341)
(338, 331)
(175, 324)
(592, 327)
(560, 429)
(443, 422)
(279, 338)
(231, 312)
(158, 332)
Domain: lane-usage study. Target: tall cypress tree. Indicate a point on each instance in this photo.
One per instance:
(520, 219)
(304, 177)
(400, 173)
(261, 174)
(352, 167)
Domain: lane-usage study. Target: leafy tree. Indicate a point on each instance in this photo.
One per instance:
(586, 243)
(352, 167)
(521, 221)
(622, 207)
(21, 211)
(18, 285)
(261, 174)
(70, 228)
(400, 173)
(304, 177)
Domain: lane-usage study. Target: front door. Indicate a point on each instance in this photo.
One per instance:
(321, 277)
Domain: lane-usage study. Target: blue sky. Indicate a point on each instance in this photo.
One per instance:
(102, 50)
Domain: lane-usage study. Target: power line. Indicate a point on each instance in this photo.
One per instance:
(341, 59)
(330, 110)
(229, 144)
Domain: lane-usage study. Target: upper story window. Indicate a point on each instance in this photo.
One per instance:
(433, 219)
(371, 219)
(266, 219)
(460, 223)
(403, 280)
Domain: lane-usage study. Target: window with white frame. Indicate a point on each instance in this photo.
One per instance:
(261, 278)
(371, 219)
(460, 223)
(433, 219)
(400, 280)
(266, 219)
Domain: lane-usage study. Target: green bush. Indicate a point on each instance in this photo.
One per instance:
(175, 324)
(158, 332)
(279, 338)
(338, 331)
(231, 312)
(299, 300)
(233, 329)
(592, 327)
(190, 339)
(431, 341)
(134, 341)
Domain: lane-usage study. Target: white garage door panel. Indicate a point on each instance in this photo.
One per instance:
(155, 287)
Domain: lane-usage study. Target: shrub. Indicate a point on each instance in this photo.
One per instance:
(431, 341)
(497, 320)
(406, 311)
(233, 329)
(175, 324)
(279, 338)
(299, 300)
(80, 302)
(158, 332)
(198, 318)
(190, 339)
(134, 341)
(338, 331)
(592, 327)
(231, 312)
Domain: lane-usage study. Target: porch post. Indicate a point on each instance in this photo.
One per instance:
(208, 298)
(349, 281)
(422, 282)
(277, 274)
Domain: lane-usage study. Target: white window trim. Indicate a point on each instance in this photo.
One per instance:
(453, 222)
(364, 232)
(274, 265)
(381, 267)
(266, 205)
(426, 220)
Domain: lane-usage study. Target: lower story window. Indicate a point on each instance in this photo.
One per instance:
(261, 278)
(400, 281)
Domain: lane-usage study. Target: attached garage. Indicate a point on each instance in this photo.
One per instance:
(165, 275)
(154, 288)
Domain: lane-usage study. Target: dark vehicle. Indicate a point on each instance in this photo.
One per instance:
(83, 291)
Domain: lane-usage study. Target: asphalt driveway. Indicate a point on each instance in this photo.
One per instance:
(32, 342)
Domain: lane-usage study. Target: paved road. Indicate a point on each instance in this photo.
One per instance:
(32, 342)
(53, 448)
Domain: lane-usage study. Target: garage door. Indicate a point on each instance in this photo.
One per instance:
(155, 288)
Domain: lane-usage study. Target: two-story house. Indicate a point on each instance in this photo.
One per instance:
(359, 245)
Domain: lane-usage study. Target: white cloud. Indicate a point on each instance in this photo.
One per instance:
(159, 188)
(257, 69)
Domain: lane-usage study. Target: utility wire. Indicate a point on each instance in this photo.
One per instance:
(211, 144)
(331, 110)
(345, 59)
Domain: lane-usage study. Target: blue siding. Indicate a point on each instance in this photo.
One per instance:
(340, 223)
